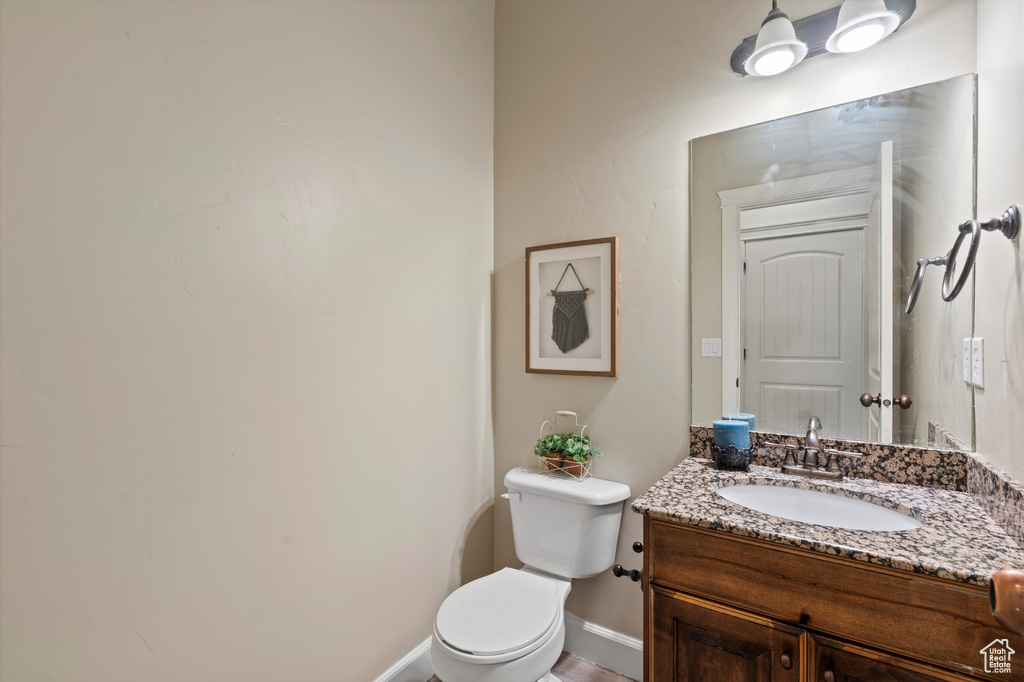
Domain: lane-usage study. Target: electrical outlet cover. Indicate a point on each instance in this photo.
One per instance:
(967, 361)
(978, 362)
(711, 348)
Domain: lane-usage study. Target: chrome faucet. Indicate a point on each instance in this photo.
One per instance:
(811, 465)
(811, 443)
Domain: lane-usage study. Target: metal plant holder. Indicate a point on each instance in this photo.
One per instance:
(561, 467)
(731, 457)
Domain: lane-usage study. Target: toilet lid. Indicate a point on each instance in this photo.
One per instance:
(502, 612)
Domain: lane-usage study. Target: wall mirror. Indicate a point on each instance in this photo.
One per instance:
(805, 235)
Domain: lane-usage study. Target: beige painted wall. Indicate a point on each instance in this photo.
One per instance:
(596, 101)
(246, 254)
(1000, 273)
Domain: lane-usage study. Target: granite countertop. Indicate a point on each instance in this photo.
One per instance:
(959, 541)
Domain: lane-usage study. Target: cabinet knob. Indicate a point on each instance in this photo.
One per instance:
(787, 661)
(1006, 594)
(638, 547)
(830, 676)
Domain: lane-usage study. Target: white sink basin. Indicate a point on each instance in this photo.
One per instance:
(821, 509)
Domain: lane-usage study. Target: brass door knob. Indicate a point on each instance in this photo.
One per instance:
(867, 400)
(787, 661)
(903, 401)
(1006, 595)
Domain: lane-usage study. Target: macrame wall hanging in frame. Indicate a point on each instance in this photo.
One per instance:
(572, 308)
(569, 328)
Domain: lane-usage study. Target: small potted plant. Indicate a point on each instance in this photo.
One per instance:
(551, 448)
(577, 452)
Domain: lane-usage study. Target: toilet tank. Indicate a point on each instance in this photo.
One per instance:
(563, 526)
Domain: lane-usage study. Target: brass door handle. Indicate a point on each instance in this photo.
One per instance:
(867, 400)
(1006, 595)
(904, 401)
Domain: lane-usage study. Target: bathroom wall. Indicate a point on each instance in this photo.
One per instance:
(999, 301)
(595, 103)
(246, 257)
(931, 338)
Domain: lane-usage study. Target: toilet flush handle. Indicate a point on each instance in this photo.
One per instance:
(512, 495)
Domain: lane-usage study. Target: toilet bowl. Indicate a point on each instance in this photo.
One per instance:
(510, 626)
(506, 627)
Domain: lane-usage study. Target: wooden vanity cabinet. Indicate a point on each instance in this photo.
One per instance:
(724, 608)
(833, 661)
(698, 640)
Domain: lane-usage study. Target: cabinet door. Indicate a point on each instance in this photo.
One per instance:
(700, 641)
(834, 661)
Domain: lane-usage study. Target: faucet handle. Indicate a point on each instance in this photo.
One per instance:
(842, 452)
(789, 460)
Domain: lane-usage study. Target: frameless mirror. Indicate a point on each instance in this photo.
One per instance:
(805, 235)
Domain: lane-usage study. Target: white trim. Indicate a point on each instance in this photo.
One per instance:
(885, 328)
(414, 666)
(803, 212)
(797, 189)
(734, 202)
(731, 259)
(607, 648)
(591, 642)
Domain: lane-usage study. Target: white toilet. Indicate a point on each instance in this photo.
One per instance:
(510, 626)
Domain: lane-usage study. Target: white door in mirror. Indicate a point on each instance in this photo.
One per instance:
(818, 508)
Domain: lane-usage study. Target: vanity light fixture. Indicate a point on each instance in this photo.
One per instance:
(861, 24)
(852, 26)
(777, 48)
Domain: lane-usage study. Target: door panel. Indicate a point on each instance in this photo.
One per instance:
(881, 248)
(803, 334)
(834, 661)
(697, 641)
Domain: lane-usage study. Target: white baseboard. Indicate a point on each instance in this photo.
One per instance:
(591, 642)
(414, 666)
(608, 648)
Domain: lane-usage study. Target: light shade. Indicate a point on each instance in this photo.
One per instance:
(777, 48)
(861, 24)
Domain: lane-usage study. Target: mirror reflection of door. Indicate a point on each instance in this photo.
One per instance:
(815, 327)
(804, 310)
(883, 252)
(744, 181)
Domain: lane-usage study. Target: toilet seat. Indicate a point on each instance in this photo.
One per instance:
(505, 612)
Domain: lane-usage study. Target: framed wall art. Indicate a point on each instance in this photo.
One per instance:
(572, 308)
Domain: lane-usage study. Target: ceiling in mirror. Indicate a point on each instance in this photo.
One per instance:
(805, 235)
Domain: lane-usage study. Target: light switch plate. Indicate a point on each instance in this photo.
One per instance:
(967, 362)
(711, 348)
(978, 362)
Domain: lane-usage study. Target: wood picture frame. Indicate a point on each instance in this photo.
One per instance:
(595, 267)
